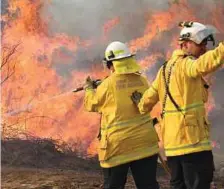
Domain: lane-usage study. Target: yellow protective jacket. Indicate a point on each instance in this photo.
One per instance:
(184, 131)
(126, 135)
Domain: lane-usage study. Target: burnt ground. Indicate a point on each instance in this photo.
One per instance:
(39, 164)
(27, 178)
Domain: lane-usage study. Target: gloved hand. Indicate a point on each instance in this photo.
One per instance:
(136, 97)
(89, 83)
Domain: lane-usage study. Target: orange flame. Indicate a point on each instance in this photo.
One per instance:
(109, 25)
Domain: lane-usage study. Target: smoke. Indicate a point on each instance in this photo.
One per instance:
(85, 19)
(216, 116)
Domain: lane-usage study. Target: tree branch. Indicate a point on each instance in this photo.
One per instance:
(7, 54)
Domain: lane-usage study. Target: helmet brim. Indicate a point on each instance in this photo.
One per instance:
(118, 58)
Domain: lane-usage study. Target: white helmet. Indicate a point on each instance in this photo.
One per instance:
(117, 50)
(196, 32)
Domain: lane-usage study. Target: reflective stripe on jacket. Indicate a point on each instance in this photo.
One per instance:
(188, 130)
(126, 135)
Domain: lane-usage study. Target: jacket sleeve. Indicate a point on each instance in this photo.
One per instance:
(95, 99)
(207, 63)
(150, 97)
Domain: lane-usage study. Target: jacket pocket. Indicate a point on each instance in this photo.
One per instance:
(102, 150)
(191, 129)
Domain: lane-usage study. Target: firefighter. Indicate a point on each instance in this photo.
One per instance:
(182, 92)
(127, 138)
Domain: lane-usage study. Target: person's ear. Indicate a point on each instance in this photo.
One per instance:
(185, 45)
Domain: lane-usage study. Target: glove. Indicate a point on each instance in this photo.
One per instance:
(136, 97)
(89, 83)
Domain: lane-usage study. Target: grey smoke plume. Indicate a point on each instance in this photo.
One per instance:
(86, 18)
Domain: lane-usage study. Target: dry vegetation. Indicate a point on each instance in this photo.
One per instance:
(44, 164)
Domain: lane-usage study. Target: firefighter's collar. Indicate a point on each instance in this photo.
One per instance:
(181, 53)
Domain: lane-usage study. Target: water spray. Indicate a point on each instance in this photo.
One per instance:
(29, 107)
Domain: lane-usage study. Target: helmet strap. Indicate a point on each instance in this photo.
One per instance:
(108, 63)
(211, 38)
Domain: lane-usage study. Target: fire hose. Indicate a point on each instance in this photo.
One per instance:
(163, 163)
(96, 83)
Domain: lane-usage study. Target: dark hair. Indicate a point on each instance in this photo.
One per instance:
(108, 63)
